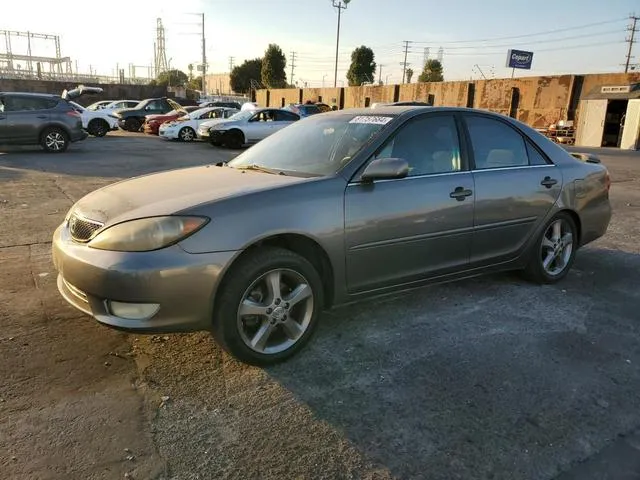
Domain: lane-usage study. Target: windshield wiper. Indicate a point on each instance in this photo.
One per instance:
(260, 168)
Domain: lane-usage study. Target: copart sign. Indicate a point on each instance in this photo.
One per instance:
(519, 59)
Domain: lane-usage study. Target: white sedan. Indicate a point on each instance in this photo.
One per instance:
(185, 128)
(250, 126)
(95, 122)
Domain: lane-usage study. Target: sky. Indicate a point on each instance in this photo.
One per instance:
(573, 36)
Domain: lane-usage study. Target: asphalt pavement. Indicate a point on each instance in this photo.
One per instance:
(485, 378)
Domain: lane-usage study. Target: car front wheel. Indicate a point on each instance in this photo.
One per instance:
(132, 124)
(555, 250)
(268, 306)
(233, 139)
(187, 134)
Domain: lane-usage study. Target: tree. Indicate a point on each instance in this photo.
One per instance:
(432, 72)
(195, 83)
(242, 75)
(409, 73)
(273, 65)
(363, 66)
(172, 78)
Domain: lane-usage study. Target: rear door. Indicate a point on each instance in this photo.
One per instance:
(26, 116)
(591, 123)
(283, 119)
(515, 187)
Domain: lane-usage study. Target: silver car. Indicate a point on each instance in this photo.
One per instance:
(335, 208)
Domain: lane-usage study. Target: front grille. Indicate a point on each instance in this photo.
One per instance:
(76, 292)
(82, 229)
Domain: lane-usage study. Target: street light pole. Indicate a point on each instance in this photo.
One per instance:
(340, 5)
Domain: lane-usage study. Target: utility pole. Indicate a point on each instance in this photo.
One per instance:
(293, 65)
(631, 40)
(380, 74)
(405, 64)
(204, 61)
(340, 5)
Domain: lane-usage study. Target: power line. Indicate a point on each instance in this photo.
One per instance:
(293, 65)
(577, 27)
(630, 40)
(556, 49)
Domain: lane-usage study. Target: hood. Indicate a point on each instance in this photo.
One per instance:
(79, 91)
(173, 191)
(163, 116)
(215, 121)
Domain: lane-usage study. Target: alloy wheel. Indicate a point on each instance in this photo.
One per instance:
(54, 141)
(556, 247)
(275, 311)
(186, 134)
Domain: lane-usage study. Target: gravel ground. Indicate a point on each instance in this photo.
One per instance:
(484, 378)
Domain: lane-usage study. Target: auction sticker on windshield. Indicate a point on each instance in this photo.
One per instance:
(371, 119)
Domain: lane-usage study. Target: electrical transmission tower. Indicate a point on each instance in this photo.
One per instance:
(293, 65)
(631, 40)
(440, 54)
(160, 51)
(425, 57)
(231, 63)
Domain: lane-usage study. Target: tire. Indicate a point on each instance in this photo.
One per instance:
(54, 140)
(560, 245)
(132, 124)
(288, 326)
(187, 134)
(216, 143)
(233, 139)
(98, 127)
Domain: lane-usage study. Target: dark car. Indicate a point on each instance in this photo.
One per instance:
(304, 110)
(131, 119)
(235, 105)
(152, 122)
(39, 119)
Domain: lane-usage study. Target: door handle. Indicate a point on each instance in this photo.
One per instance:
(548, 182)
(460, 193)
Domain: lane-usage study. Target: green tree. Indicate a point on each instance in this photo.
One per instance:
(363, 66)
(432, 72)
(195, 83)
(409, 74)
(273, 65)
(173, 78)
(242, 75)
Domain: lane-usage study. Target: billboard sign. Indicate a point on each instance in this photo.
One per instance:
(519, 59)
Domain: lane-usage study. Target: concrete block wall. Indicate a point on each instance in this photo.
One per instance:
(111, 91)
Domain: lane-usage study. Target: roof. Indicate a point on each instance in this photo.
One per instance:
(614, 92)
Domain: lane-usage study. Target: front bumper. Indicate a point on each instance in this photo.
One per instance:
(183, 284)
(151, 128)
(169, 134)
(203, 134)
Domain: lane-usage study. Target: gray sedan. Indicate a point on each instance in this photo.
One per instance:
(337, 207)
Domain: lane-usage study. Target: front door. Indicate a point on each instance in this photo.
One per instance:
(403, 230)
(515, 187)
(631, 127)
(591, 123)
(258, 127)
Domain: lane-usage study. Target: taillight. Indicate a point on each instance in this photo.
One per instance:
(73, 113)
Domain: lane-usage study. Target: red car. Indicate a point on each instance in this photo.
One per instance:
(152, 122)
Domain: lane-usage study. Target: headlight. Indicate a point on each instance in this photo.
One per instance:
(147, 234)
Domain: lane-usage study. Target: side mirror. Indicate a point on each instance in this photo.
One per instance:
(385, 169)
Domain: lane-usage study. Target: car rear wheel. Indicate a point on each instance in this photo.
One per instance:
(187, 134)
(54, 140)
(268, 306)
(234, 139)
(555, 250)
(132, 124)
(98, 128)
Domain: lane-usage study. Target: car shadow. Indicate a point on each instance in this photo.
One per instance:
(484, 378)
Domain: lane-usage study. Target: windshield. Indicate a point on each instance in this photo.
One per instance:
(196, 113)
(319, 145)
(245, 115)
(97, 105)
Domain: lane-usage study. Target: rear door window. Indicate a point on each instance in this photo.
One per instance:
(282, 116)
(15, 103)
(495, 144)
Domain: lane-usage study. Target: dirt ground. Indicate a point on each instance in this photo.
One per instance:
(485, 378)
